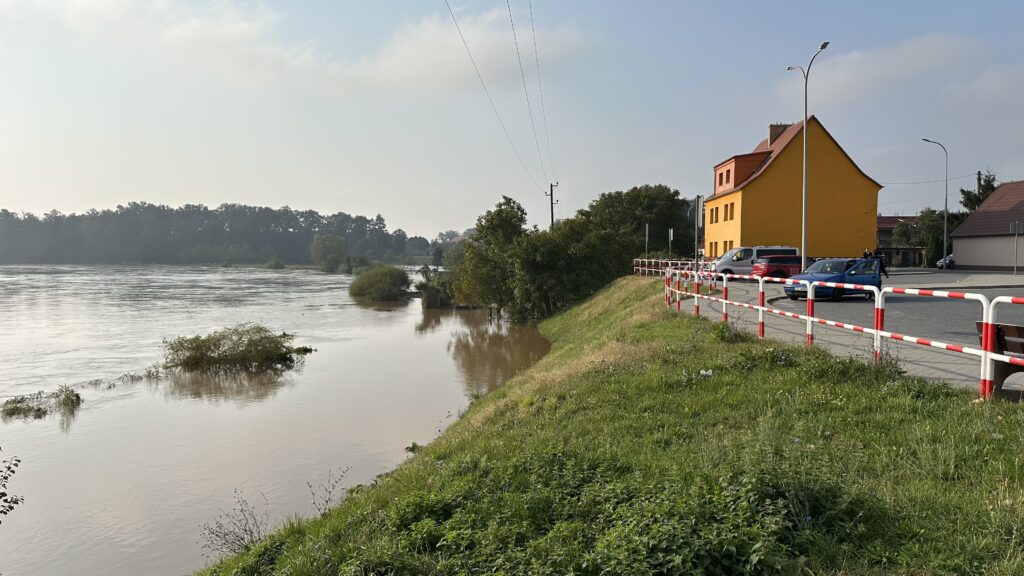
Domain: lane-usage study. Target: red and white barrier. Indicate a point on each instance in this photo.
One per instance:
(687, 283)
(987, 334)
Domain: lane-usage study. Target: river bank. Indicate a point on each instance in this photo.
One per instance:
(124, 484)
(647, 443)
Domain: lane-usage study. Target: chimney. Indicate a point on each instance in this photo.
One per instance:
(776, 130)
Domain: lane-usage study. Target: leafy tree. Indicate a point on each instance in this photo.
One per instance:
(926, 230)
(328, 251)
(485, 273)
(417, 246)
(659, 207)
(437, 256)
(971, 199)
(534, 273)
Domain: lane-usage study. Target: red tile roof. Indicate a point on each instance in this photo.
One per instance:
(775, 148)
(993, 217)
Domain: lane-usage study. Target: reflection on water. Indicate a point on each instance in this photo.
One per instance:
(147, 461)
(242, 389)
(486, 352)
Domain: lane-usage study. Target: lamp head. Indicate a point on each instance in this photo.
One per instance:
(823, 45)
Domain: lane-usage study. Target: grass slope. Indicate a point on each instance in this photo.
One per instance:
(652, 443)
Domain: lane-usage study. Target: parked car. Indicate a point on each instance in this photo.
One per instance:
(741, 260)
(778, 266)
(947, 263)
(865, 271)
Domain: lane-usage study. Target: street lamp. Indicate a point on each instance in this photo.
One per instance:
(945, 208)
(803, 201)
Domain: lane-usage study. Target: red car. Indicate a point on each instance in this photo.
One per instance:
(778, 266)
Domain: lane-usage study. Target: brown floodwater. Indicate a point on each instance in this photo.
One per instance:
(123, 485)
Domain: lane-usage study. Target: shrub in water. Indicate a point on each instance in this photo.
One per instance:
(380, 284)
(34, 406)
(275, 264)
(242, 348)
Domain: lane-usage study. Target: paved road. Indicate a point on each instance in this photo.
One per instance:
(951, 321)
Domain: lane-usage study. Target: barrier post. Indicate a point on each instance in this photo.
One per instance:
(760, 310)
(879, 326)
(988, 347)
(810, 314)
(725, 298)
(679, 296)
(696, 295)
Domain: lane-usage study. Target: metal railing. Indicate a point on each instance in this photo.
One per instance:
(685, 280)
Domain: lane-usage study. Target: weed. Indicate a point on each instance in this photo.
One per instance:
(329, 492)
(237, 530)
(8, 501)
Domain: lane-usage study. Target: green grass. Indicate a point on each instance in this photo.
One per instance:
(648, 442)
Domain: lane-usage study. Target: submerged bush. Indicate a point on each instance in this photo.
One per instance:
(380, 284)
(275, 264)
(35, 406)
(242, 348)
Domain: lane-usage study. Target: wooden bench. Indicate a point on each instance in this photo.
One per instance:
(1009, 341)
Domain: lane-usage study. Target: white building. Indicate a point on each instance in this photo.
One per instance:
(985, 239)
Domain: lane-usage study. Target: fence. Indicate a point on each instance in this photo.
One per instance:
(684, 279)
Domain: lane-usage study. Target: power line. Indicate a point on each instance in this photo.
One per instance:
(928, 181)
(490, 99)
(526, 91)
(540, 86)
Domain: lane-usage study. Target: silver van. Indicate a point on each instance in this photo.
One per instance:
(741, 260)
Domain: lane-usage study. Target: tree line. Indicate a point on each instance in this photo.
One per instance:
(141, 232)
(533, 273)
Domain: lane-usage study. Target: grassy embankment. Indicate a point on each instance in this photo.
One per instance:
(652, 443)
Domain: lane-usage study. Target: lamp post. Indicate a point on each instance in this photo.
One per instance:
(803, 198)
(945, 206)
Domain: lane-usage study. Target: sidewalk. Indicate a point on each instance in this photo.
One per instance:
(953, 280)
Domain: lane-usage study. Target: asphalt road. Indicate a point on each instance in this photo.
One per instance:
(947, 320)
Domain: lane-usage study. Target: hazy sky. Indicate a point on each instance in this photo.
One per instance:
(368, 107)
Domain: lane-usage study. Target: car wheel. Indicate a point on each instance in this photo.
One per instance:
(792, 296)
(837, 294)
(726, 271)
(778, 274)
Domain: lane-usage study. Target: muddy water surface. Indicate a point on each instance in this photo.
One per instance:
(123, 486)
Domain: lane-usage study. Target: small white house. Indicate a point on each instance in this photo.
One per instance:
(985, 239)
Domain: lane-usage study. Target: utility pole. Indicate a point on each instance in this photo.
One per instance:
(551, 195)
(978, 189)
(698, 217)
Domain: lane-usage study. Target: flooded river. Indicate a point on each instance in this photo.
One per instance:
(123, 486)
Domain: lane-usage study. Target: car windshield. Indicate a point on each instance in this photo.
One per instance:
(827, 267)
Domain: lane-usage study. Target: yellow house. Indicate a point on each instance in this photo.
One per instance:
(757, 196)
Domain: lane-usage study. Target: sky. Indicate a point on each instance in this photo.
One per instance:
(374, 107)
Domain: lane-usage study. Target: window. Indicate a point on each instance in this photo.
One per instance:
(742, 255)
(732, 210)
(728, 175)
(721, 175)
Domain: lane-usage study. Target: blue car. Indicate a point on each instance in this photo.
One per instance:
(840, 270)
